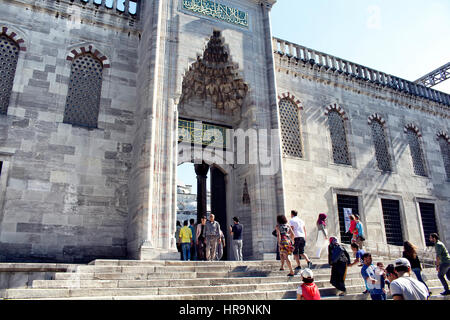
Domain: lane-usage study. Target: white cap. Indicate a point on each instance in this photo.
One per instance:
(402, 262)
(307, 273)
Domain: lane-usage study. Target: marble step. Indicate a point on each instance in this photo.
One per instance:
(278, 291)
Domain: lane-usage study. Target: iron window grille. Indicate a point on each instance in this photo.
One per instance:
(338, 138)
(290, 129)
(9, 55)
(85, 86)
(381, 149)
(416, 153)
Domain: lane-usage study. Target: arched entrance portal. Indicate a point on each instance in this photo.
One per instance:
(202, 190)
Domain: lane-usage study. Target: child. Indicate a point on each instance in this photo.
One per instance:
(308, 290)
(380, 275)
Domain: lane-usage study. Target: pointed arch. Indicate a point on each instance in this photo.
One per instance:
(81, 50)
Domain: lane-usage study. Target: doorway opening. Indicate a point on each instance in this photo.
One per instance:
(201, 190)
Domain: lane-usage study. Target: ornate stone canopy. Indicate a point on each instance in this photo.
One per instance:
(215, 76)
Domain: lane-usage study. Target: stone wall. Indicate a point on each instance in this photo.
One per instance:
(311, 183)
(67, 187)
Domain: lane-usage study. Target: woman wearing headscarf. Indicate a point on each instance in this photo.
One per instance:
(322, 234)
(338, 259)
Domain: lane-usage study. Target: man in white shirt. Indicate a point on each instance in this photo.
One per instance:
(405, 287)
(298, 226)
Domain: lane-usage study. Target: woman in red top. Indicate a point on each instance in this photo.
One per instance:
(308, 290)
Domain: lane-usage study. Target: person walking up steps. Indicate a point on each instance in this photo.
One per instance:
(200, 238)
(410, 253)
(186, 240)
(285, 236)
(298, 226)
(212, 237)
(338, 259)
(442, 262)
(374, 281)
(322, 235)
(236, 232)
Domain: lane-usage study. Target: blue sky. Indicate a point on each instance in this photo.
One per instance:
(405, 38)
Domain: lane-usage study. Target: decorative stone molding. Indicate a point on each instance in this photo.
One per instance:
(13, 35)
(89, 49)
(377, 117)
(414, 128)
(291, 97)
(215, 76)
(443, 134)
(338, 109)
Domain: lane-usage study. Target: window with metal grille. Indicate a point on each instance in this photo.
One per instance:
(345, 203)
(392, 221)
(381, 149)
(445, 151)
(416, 153)
(338, 138)
(85, 86)
(290, 128)
(428, 220)
(9, 54)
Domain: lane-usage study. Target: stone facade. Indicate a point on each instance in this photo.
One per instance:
(74, 194)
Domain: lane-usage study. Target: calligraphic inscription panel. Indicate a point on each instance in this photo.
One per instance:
(216, 10)
(207, 135)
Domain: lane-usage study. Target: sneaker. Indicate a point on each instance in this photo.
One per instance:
(291, 274)
(341, 294)
(310, 265)
(445, 293)
(366, 292)
(298, 268)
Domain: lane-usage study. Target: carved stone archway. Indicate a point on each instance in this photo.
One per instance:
(215, 76)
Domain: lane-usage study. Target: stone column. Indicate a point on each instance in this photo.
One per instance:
(201, 170)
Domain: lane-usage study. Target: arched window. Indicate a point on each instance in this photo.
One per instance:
(9, 54)
(290, 128)
(85, 86)
(416, 152)
(381, 149)
(445, 151)
(338, 138)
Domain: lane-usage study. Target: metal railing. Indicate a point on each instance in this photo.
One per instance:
(391, 252)
(338, 65)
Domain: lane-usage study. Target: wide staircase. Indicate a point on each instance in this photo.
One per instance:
(192, 280)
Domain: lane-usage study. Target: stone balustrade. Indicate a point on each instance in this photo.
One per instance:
(128, 7)
(338, 65)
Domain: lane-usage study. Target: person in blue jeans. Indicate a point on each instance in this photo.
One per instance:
(374, 281)
(186, 240)
(410, 253)
(358, 253)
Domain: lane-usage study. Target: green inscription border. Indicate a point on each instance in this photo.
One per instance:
(216, 10)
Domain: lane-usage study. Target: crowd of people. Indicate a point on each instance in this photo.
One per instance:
(396, 278)
(205, 240)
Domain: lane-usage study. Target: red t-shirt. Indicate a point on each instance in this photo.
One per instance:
(309, 291)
